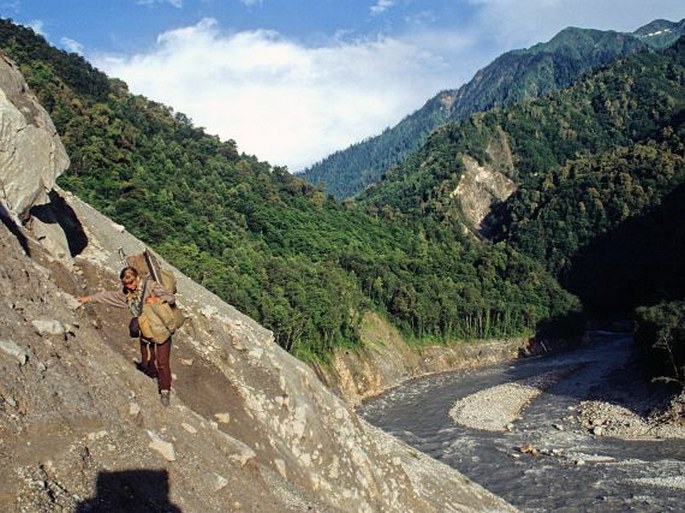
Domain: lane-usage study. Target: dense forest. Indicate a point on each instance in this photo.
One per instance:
(600, 169)
(511, 78)
(283, 252)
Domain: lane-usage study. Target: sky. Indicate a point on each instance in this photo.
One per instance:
(292, 81)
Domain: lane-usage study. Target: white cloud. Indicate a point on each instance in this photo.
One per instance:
(71, 45)
(381, 6)
(283, 102)
(293, 105)
(38, 26)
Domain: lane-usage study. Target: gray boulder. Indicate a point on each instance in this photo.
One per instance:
(32, 155)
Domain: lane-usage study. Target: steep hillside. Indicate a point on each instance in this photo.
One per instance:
(516, 75)
(300, 263)
(250, 428)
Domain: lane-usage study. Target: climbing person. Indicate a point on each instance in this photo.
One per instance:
(135, 293)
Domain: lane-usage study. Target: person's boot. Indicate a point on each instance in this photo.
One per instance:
(165, 397)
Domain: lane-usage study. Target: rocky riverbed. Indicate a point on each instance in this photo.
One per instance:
(626, 408)
(578, 431)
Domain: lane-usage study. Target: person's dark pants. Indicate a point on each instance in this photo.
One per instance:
(154, 361)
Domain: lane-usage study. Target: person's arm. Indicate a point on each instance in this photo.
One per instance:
(114, 298)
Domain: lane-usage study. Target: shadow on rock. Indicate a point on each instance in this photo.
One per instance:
(133, 491)
(60, 213)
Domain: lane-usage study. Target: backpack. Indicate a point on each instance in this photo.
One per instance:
(148, 267)
(157, 322)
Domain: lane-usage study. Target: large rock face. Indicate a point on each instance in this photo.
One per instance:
(249, 429)
(31, 153)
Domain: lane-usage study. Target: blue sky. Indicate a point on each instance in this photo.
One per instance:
(292, 81)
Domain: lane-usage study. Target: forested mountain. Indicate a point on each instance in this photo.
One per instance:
(278, 249)
(599, 170)
(512, 77)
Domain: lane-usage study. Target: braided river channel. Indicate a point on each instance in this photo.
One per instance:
(566, 467)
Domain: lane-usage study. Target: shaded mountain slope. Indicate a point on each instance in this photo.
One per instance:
(598, 169)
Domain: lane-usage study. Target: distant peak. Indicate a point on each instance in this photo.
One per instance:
(656, 27)
(660, 33)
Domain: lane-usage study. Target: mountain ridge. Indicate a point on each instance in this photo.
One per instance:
(513, 76)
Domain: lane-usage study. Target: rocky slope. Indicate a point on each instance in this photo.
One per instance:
(249, 429)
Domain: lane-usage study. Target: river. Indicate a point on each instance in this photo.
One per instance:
(575, 470)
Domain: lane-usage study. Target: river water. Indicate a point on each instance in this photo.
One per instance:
(576, 471)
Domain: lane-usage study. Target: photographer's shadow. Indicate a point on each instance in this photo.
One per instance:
(131, 491)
